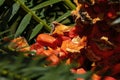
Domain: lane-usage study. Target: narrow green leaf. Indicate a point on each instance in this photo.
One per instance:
(15, 24)
(64, 16)
(33, 69)
(69, 4)
(23, 1)
(38, 19)
(36, 31)
(15, 9)
(25, 21)
(3, 32)
(46, 3)
(1, 2)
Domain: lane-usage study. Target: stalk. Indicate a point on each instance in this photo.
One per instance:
(39, 20)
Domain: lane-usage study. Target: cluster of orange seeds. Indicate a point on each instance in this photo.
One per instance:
(60, 44)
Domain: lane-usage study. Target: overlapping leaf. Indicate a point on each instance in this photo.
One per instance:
(1, 2)
(35, 31)
(25, 21)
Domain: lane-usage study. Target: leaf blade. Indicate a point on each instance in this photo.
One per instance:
(15, 8)
(1, 2)
(25, 21)
(44, 4)
(68, 13)
(36, 31)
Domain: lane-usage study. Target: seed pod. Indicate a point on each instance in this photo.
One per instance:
(46, 40)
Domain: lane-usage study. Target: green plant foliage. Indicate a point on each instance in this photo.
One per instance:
(25, 21)
(3, 32)
(46, 3)
(15, 9)
(15, 24)
(42, 12)
(1, 2)
(64, 16)
(35, 31)
(18, 67)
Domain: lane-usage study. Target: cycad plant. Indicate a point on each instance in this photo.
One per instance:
(98, 31)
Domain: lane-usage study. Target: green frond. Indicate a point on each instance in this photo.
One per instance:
(40, 12)
(20, 67)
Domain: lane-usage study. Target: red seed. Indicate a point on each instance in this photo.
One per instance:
(46, 40)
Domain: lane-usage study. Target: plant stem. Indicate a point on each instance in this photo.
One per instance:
(3, 32)
(39, 20)
(70, 4)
